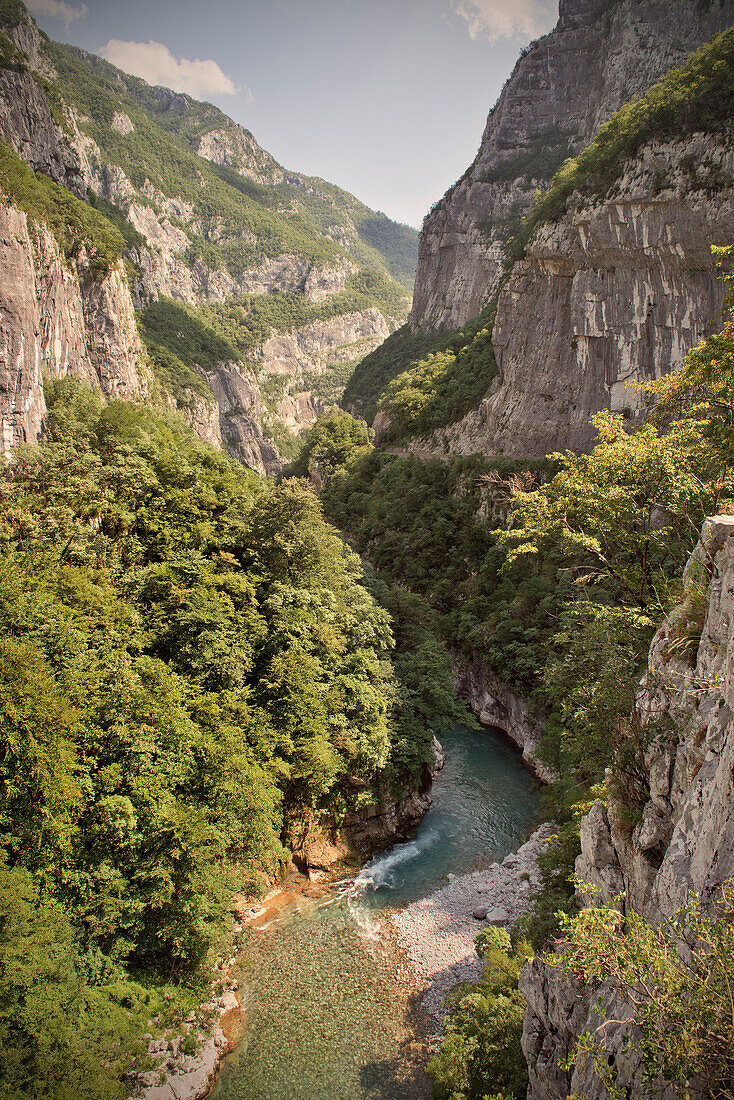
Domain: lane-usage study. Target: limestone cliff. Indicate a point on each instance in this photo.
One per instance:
(565, 85)
(57, 319)
(685, 838)
(615, 292)
(26, 120)
(27, 124)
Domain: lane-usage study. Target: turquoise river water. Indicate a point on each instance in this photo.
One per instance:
(329, 1016)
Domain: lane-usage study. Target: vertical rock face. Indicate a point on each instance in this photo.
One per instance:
(240, 408)
(26, 124)
(56, 319)
(26, 121)
(685, 838)
(496, 704)
(615, 292)
(562, 89)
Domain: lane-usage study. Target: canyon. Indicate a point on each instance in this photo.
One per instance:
(269, 316)
(262, 243)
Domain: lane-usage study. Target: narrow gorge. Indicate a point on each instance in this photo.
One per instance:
(365, 596)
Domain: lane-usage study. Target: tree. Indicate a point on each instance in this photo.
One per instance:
(675, 981)
(481, 1051)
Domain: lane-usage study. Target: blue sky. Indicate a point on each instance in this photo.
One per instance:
(387, 98)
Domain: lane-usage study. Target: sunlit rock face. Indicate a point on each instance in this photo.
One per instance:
(684, 840)
(562, 89)
(614, 293)
(58, 319)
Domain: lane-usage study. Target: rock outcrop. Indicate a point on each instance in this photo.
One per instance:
(57, 319)
(685, 838)
(208, 216)
(27, 124)
(26, 121)
(318, 849)
(565, 85)
(241, 415)
(495, 704)
(289, 366)
(615, 292)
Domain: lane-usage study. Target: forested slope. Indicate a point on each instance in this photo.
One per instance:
(554, 576)
(193, 673)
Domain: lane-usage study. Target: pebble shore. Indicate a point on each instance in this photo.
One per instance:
(436, 934)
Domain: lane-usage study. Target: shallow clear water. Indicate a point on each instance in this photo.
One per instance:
(484, 802)
(328, 1014)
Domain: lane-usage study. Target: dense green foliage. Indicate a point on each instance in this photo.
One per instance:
(76, 226)
(114, 214)
(424, 381)
(674, 979)
(332, 443)
(698, 96)
(191, 669)
(397, 243)
(179, 339)
(481, 1049)
(421, 524)
(442, 387)
(401, 351)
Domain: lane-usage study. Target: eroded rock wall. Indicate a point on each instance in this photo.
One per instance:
(614, 293)
(685, 838)
(288, 365)
(495, 704)
(57, 319)
(562, 89)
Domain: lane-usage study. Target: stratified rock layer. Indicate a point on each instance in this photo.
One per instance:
(562, 89)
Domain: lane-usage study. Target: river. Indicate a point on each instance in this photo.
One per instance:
(330, 1014)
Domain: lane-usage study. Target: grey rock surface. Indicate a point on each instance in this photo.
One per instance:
(685, 839)
(57, 318)
(495, 704)
(26, 122)
(565, 85)
(614, 293)
(437, 933)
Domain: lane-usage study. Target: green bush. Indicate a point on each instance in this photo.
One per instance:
(674, 982)
(424, 381)
(76, 226)
(480, 1052)
(332, 443)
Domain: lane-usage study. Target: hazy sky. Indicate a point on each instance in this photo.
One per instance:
(387, 98)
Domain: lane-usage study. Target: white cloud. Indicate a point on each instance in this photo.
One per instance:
(155, 63)
(495, 19)
(58, 9)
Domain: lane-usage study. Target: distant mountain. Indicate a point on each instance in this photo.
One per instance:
(252, 283)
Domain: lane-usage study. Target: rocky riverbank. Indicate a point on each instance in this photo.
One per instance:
(436, 934)
(183, 1072)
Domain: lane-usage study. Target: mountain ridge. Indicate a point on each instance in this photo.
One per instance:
(210, 220)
